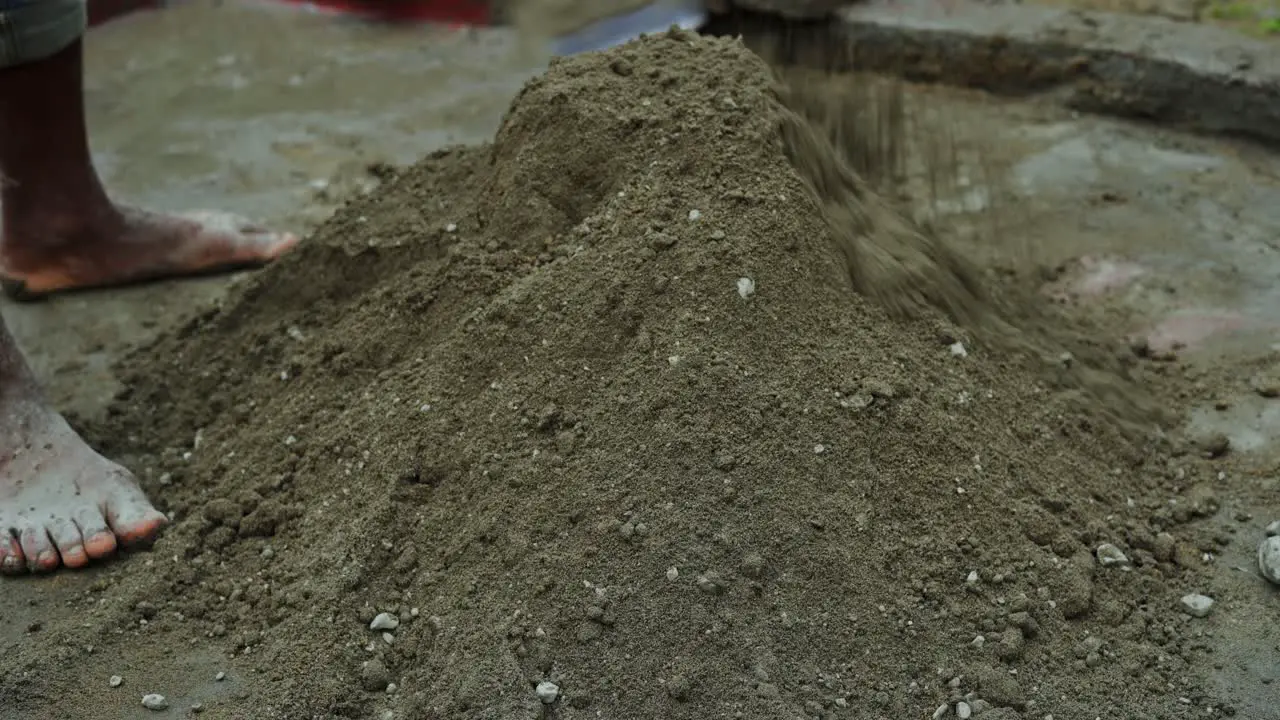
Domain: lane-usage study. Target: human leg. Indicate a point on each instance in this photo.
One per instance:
(61, 231)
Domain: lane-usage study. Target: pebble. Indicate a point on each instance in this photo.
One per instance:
(963, 711)
(115, 681)
(746, 287)
(1109, 555)
(958, 349)
(1197, 605)
(154, 701)
(941, 711)
(385, 621)
(547, 692)
(1269, 559)
(220, 676)
(673, 574)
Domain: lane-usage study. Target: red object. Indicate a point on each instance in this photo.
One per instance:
(459, 12)
(101, 11)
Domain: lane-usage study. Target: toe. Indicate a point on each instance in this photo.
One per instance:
(97, 538)
(241, 238)
(131, 516)
(66, 537)
(39, 550)
(12, 561)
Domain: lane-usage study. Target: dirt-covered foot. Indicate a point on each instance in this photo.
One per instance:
(61, 503)
(127, 245)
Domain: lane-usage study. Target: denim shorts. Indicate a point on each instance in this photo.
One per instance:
(32, 30)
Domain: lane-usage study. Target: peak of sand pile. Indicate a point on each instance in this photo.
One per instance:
(595, 406)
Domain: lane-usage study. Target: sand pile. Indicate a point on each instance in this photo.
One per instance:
(596, 406)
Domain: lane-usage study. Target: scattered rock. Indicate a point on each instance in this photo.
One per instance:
(547, 692)
(154, 701)
(220, 676)
(384, 621)
(1269, 559)
(1109, 555)
(1197, 605)
(115, 681)
(963, 710)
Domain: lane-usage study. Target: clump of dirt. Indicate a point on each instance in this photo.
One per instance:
(592, 415)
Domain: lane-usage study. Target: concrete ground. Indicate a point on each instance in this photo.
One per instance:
(277, 115)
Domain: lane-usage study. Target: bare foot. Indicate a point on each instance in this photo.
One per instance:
(61, 503)
(130, 245)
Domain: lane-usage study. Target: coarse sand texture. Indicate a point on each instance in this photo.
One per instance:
(595, 416)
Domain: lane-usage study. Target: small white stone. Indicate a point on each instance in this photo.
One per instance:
(388, 638)
(220, 676)
(939, 713)
(1197, 605)
(1269, 559)
(673, 574)
(978, 641)
(451, 227)
(154, 701)
(115, 681)
(547, 692)
(695, 215)
(972, 578)
(385, 621)
(746, 287)
(963, 711)
(819, 449)
(1109, 555)
(958, 350)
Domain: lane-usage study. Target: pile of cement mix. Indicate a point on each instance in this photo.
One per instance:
(591, 423)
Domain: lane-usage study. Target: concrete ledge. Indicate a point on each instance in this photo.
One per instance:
(1195, 77)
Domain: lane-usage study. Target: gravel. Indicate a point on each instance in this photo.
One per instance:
(1269, 559)
(384, 621)
(1109, 555)
(1197, 605)
(547, 692)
